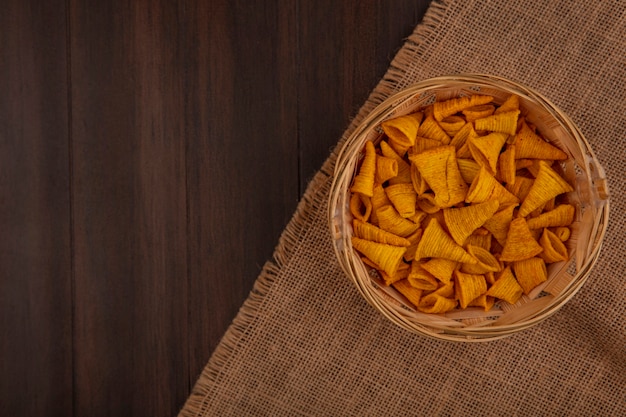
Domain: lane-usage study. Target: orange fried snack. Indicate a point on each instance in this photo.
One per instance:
(364, 181)
(390, 220)
(436, 243)
(404, 170)
(443, 109)
(506, 165)
(478, 112)
(436, 304)
(468, 287)
(506, 287)
(486, 187)
(452, 124)
(510, 104)
(432, 130)
(367, 231)
(420, 278)
(519, 244)
(387, 257)
(530, 145)
(360, 206)
(530, 273)
(499, 223)
(386, 168)
(411, 293)
(466, 205)
(462, 221)
(486, 149)
(554, 249)
(486, 261)
(439, 168)
(403, 197)
(441, 269)
(402, 131)
(501, 122)
(547, 185)
(562, 215)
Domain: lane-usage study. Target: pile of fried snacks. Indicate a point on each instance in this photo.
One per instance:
(461, 204)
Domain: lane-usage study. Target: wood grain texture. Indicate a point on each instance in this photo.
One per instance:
(242, 163)
(35, 266)
(345, 49)
(152, 152)
(129, 205)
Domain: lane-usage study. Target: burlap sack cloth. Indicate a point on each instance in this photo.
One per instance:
(305, 343)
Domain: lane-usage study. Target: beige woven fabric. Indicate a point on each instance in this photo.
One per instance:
(305, 343)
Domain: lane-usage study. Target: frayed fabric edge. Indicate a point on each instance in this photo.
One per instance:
(394, 80)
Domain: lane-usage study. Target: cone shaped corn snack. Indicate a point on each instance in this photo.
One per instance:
(405, 288)
(486, 187)
(547, 185)
(420, 278)
(468, 287)
(368, 231)
(436, 243)
(499, 223)
(452, 124)
(441, 269)
(463, 221)
(486, 261)
(506, 287)
(510, 104)
(360, 206)
(520, 244)
(401, 273)
(423, 144)
(466, 132)
(386, 168)
(364, 181)
(486, 149)
(484, 301)
(439, 168)
(562, 215)
(501, 122)
(482, 240)
(520, 187)
(530, 145)
(432, 130)
(468, 168)
(443, 109)
(402, 131)
(414, 238)
(478, 112)
(530, 273)
(562, 233)
(419, 184)
(436, 304)
(403, 197)
(506, 165)
(387, 257)
(404, 171)
(391, 221)
(554, 249)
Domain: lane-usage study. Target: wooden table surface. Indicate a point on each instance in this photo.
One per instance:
(151, 153)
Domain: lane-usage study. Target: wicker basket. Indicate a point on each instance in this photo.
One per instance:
(582, 170)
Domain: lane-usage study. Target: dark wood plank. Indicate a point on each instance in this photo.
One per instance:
(345, 49)
(242, 155)
(35, 257)
(129, 208)
(195, 127)
(298, 71)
